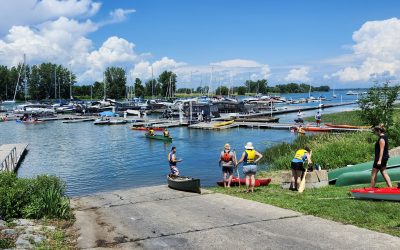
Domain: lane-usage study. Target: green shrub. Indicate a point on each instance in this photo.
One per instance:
(42, 197)
(329, 150)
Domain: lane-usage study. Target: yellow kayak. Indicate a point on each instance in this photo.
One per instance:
(223, 123)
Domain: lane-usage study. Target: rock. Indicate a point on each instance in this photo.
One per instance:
(9, 232)
(24, 222)
(27, 241)
(2, 223)
(38, 228)
(315, 179)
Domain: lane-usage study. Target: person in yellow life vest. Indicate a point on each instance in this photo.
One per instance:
(227, 161)
(166, 133)
(297, 166)
(250, 157)
(151, 131)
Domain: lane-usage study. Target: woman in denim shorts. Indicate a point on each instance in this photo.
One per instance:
(250, 157)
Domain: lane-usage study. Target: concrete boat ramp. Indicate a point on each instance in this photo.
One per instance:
(160, 218)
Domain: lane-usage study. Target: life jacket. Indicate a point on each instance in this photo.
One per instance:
(250, 155)
(166, 133)
(300, 154)
(226, 157)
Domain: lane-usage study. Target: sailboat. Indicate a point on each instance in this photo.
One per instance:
(16, 85)
(334, 95)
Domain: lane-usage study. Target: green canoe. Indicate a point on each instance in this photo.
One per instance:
(158, 137)
(364, 177)
(333, 175)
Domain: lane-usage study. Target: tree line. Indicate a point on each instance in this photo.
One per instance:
(52, 81)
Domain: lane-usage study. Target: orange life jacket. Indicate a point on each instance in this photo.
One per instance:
(226, 157)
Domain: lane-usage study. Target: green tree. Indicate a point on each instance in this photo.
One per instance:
(241, 90)
(139, 89)
(222, 90)
(377, 105)
(168, 83)
(151, 88)
(115, 82)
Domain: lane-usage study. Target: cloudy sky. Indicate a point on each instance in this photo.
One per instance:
(341, 43)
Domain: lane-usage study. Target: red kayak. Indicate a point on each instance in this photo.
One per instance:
(389, 194)
(235, 182)
(146, 129)
(346, 126)
(316, 129)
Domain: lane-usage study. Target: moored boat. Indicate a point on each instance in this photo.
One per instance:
(101, 121)
(316, 129)
(235, 182)
(147, 128)
(346, 126)
(182, 183)
(364, 177)
(159, 137)
(390, 194)
(117, 122)
(223, 123)
(334, 174)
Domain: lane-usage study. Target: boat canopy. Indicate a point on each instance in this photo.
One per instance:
(108, 114)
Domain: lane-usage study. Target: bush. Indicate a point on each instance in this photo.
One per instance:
(329, 150)
(42, 197)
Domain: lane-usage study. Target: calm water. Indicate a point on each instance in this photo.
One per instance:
(101, 158)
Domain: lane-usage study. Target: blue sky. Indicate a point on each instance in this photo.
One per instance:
(304, 41)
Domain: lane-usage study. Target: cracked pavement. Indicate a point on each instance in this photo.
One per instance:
(161, 218)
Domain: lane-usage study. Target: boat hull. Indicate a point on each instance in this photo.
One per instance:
(364, 177)
(158, 137)
(145, 128)
(389, 194)
(346, 126)
(223, 124)
(183, 183)
(242, 181)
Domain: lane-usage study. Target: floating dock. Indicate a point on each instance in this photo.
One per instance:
(11, 156)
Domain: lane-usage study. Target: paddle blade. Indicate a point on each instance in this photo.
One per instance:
(302, 185)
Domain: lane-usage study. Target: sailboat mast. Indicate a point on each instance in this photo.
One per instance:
(70, 82)
(209, 87)
(104, 82)
(25, 79)
(16, 85)
(55, 82)
(152, 83)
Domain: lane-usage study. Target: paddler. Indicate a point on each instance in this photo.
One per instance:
(173, 161)
(297, 166)
(151, 131)
(381, 156)
(227, 161)
(166, 133)
(250, 157)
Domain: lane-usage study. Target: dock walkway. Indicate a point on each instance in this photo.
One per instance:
(11, 155)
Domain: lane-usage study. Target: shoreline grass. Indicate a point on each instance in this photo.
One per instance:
(331, 202)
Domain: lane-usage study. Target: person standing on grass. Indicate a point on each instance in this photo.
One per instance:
(381, 156)
(250, 157)
(318, 118)
(300, 117)
(227, 161)
(297, 166)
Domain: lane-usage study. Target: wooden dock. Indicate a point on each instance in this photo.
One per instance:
(266, 125)
(11, 155)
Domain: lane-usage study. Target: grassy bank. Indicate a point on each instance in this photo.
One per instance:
(333, 203)
(329, 150)
(348, 117)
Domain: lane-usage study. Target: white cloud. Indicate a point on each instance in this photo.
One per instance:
(119, 15)
(298, 74)
(237, 63)
(376, 50)
(33, 12)
(145, 69)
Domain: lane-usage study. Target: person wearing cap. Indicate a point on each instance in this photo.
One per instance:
(250, 157)
(227, 161)
(381, 156)
(297, 166)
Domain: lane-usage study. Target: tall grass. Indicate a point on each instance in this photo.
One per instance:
(41, 197)
(348, 117)
(329, 150)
